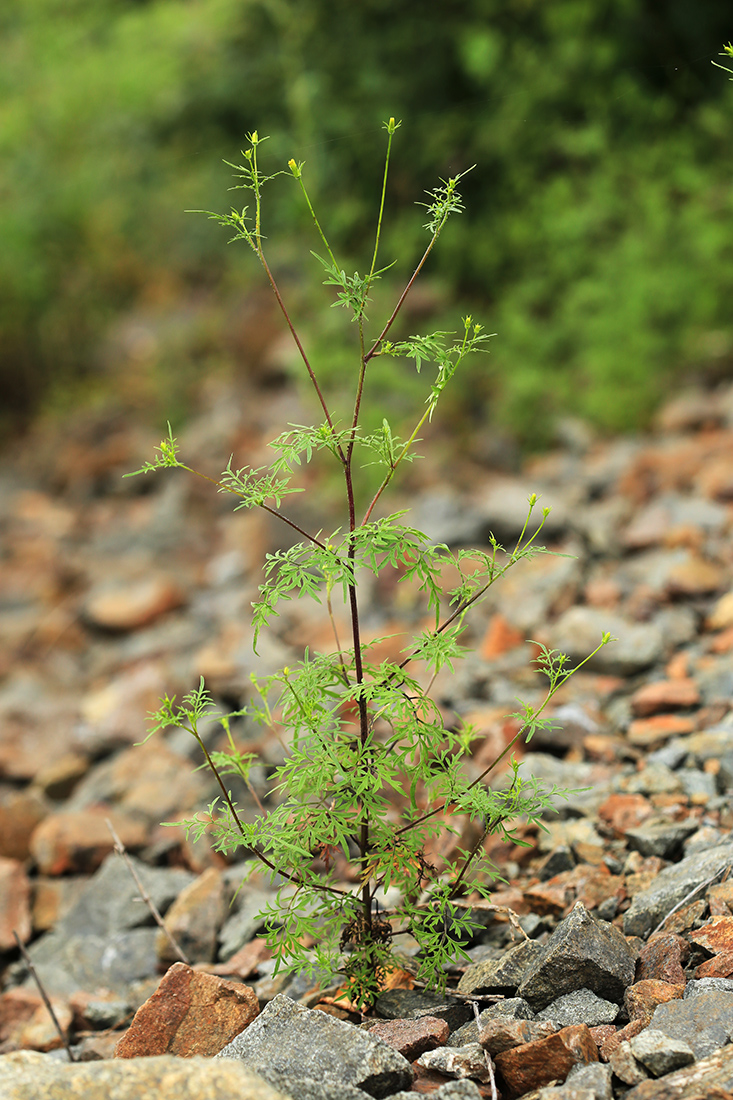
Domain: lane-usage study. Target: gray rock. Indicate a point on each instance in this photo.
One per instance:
(308, 1088)
(499, 975)
(660, 1054)
(405, 1004)
(671, 885)
(559, 860)
(625, 1066)
(704, 1021)
(699, 1080)
(465, 1061)
(513, 1008)
(244, 923)
(653, 779)
(661, 837)
(298, 1042)
(451, 1090)
(580, 629)
(697, 784)
(595, 1076)
(707, 985)
(588, 784)
(28, 1075)
(580, 1007)
(582, 953)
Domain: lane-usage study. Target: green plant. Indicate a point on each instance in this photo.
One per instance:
(372, 773)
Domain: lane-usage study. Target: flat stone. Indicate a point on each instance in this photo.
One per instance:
(411, 1037)
(131, 605)
(15, 911)
(647, 733)
(580, 1007)
(189, 1014)
(536, 1064)
(710, 1077)
(672, 885)
(398, 1004)
(301, 1042)
(32, 1076)
(705, 1021)
(663, 695)
(660, 1054)
(582, 953)
(500, 975)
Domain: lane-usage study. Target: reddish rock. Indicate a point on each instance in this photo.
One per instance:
(613, 1042)
(720, 966)
(194, 919)
(80, 840)
(500, 1033)
(245, 962)
(134, 604)
(715, 936)
(552, 897)
(412, 1037)
(25, 1023)
(499, 637)
(15, 911)
(534, 1065)
(641, 998)
(20, 812)
(602, 1033)
(662, 959)
(645, 732)
(625, 811)
(189, 1014)
(17, 1006)
(662, 695)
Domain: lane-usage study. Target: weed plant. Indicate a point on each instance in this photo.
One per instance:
(373, 776)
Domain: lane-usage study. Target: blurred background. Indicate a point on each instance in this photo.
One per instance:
(597, 240)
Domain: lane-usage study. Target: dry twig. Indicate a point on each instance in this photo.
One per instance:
(44, 995)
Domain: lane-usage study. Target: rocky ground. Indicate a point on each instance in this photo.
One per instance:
(114, 592)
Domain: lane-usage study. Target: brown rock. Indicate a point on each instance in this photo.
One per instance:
(195, 918)
(134, 604)
(15, 911)
(695, 577)
(500, 637)
(245, 962)
(601, 1034)
(533, 1065)
(189, 1014)
(625, 811)
(661, 695)
(17, 1006)
(25, 1023)
(720, 966)
(58, 778)
(716, 936)
(662, 958)
(645, 732)
(412, 1037)
(500, 1034)
(641, 998)
(612, 1043)
(721, 617)
(80, 840)
(117, 713)
(20, 812)
(53, 898)
(625, 1066)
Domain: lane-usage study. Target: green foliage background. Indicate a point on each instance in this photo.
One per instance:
(598, 236)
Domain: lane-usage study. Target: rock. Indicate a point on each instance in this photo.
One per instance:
(580, 629)
(660, 1054)
(99, 942)
(647, 733)
(641, 998)
(716, 935)
(662, 695)
(15, 913)
(131, 605)
(20, 812)
(245, 922)
(499, 1034)
(398, 1004)
(500, 975)
(189, 1014)
(451, 1090)
(711, 1078)
(411, 1037)
(310, 1088)
(513, 1008)
(662, 959)
(625, 1066)
(581, 953)
(32, 1076)
(721, 616)
(695, 577)
(659, 836)
(671, 886)
(194, 919)
(704, 1021)
(707, 985)
(625, 811)
(580, 1007)
(300, 1042)
(117, 713)
(595, 1076)
(25, 1021)
(465, 1061)
(79, 841)
(536, 1064)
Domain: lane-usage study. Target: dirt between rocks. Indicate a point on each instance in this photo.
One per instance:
(113, 593)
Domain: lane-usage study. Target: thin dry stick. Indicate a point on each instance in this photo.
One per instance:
(44, 995)
(120, 849)
(487, 1056)
(688, 897)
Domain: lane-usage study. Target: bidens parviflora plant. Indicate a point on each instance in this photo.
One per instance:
(372, 774)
